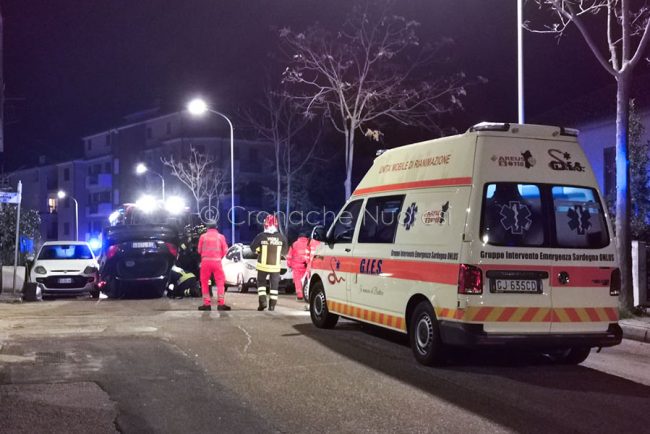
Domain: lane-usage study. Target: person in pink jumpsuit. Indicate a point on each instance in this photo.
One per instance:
(212, 248)
(298, 260)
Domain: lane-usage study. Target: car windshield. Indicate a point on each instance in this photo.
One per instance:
(65, 251)
(534, 215)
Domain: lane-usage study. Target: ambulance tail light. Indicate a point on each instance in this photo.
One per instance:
(470, 280)
(615, 283)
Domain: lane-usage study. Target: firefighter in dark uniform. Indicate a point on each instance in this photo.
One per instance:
(270, 246)
(183, 284)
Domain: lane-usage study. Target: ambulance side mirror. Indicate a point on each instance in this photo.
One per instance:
(318, 233)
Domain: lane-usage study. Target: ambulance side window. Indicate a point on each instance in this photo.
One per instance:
(343, 229)
(380, 219)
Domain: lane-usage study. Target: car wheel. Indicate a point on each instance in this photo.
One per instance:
(320, 315)
(424, 335)
(571, 356)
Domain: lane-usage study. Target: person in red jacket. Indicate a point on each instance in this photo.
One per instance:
(212, 248)
(298, 259)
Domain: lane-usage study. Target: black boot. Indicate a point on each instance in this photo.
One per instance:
(223, 307)
(262, 304)
(272, 304)
(205, 307)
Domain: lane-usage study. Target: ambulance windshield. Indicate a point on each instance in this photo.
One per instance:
(542, 215)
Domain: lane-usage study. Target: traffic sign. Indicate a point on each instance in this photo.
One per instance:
(9, 197)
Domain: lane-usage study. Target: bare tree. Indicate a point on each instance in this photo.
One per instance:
(279, 121)
(373, 69)
(625, 33)
(201, 175)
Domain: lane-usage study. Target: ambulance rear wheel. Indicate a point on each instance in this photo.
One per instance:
(320, 315)
(424, 335)
(572, 356)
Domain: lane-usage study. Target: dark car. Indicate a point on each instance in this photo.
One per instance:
(138, 252)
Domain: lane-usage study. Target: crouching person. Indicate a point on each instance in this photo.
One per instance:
(183, 284)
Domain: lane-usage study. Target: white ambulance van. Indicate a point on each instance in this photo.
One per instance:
(496, 238)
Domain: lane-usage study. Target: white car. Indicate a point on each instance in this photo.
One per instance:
(66, 267)
(239, 268)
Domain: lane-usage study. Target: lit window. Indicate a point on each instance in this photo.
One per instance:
(51, 205)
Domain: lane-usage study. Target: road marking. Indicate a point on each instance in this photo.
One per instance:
(9, 358)
(248, 336)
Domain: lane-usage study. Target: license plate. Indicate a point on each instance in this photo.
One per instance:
(143, 245)
(65, 280)
(516, 285)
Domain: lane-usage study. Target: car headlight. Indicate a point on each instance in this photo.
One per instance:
(91, 269)
(40, 270)
(250, 266)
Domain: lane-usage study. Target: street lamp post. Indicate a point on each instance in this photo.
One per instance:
(520, 60)
(198, 107)
(62, 195)
(141, 168)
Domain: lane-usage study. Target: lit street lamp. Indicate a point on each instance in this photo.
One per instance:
(198, 107)
(141, 169)
(62, 195)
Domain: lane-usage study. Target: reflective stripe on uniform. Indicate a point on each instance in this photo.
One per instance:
(261, 290)
(274, 294)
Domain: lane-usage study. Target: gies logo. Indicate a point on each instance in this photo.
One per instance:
(370, 266)
(562, 161)
(438, 217)
(526, 160)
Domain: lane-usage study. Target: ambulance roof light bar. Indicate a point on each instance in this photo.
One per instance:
(573, 132)
(490, 126)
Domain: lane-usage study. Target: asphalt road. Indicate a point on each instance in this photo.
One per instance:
(161, 366)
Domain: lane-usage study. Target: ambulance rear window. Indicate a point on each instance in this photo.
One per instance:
(536, 215)
(512, 215)
(579, 218)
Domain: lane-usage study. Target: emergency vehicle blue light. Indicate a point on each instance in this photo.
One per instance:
(94, 244)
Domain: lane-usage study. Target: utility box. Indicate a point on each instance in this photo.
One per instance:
(641, 273)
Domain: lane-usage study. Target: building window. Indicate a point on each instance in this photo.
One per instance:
(107, 167)
(149, 133)
(66, 174)
(169, 127)
(609, 171)
(66, 228)
(51, 205)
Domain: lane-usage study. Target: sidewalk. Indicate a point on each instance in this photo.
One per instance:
(637, 328)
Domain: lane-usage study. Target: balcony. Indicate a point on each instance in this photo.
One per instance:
(99, 181)
(101, 209)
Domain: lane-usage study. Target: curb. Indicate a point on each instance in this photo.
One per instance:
(641, 334)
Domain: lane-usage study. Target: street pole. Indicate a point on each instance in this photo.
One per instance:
(20, 192)
(76, 219)
(232, 174)
(520, 59)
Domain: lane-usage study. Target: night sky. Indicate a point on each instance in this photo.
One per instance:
(75, 67)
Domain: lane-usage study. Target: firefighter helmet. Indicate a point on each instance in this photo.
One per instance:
(270, 221)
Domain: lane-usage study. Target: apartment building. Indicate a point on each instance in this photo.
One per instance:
(105, 177)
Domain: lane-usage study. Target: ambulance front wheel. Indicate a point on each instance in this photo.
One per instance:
(320, 315)
(424, 335)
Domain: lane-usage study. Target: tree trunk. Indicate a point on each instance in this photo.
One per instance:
(623, 242)
(278, 180)
(288, 208)
(349, 138)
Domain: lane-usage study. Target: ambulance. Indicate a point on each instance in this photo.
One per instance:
(495, 238)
